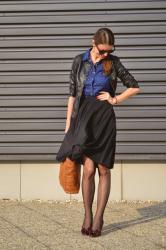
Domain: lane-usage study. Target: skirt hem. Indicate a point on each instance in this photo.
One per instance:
(79, 158)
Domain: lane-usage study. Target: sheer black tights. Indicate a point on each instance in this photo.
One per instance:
(88, 191)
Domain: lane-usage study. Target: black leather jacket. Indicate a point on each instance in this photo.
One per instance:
(78, 74)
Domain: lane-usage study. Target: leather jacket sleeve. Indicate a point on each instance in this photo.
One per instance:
(72, 78)
(127, 79)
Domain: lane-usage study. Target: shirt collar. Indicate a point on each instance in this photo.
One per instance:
(86, 55)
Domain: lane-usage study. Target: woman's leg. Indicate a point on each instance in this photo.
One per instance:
(88, 189)
(103, 195)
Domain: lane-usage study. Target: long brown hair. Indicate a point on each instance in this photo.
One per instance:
(105, 36)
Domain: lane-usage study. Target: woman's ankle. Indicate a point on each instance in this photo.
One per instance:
(97, 222)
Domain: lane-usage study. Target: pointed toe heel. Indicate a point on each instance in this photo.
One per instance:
(97, 232)
(86, 231)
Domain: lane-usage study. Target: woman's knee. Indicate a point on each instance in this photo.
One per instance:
(103, 171)
(89, 168)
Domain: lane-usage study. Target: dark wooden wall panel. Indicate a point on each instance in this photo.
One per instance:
(38, 40)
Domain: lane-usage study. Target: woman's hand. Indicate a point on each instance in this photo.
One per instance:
(67, 127)
(66, 130)
(106, 96)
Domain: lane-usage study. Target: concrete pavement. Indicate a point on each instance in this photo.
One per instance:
(41, 225)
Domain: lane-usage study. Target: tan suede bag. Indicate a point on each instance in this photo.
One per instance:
(69, 176)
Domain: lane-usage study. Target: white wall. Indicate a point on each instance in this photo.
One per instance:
(129, 181)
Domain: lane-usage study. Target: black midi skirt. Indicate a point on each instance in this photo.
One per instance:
(92, 133)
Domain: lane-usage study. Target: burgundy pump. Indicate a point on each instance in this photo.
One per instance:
(97, 232)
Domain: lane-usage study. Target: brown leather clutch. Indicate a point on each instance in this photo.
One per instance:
(70, 175)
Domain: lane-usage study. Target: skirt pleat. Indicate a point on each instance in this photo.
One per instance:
(92, 133)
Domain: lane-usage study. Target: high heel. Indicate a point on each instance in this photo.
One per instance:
(87, 231)
(97, 232)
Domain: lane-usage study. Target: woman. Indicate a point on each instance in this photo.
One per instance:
(90, 137)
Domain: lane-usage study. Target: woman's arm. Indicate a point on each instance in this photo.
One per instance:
(70, 104)
(126, 94)
(128, 80)
(72, 93)
(118, 98)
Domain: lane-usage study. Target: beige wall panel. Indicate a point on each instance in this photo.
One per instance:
(10, 180)
(41, 181)
(145, 181)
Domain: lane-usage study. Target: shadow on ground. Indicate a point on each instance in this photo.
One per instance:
(147, 214)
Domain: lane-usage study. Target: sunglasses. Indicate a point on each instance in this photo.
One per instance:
(102, 52)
